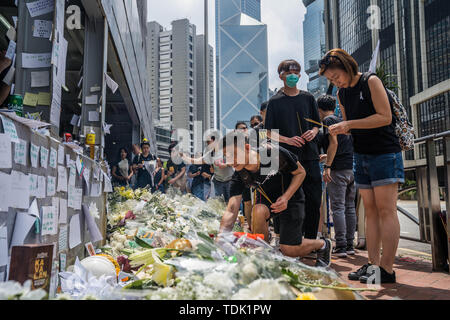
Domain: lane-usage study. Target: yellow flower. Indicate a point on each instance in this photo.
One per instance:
(122, 188)
(306, 296)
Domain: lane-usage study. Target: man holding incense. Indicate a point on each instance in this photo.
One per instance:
(276, 175)
(293, 113)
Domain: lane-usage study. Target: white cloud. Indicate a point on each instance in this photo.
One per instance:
(284, 19)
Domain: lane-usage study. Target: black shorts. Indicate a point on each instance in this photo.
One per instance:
(246, 195)
(289, 223)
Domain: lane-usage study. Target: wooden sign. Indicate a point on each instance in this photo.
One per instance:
(32, 262)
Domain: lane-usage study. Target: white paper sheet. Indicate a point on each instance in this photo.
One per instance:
(79, 164)
(40, 7)
(41, 193)
(61, 154)
(62, 179)
(20, 190)
(34, 155)
(49, 221)
(94, 116)
(11, 51)
(55, 204)
(96, 189)
(87, 175)
(20, 152)
(3, 247)
(33, 184)
(34, 210)
(111, 83)
(62, 238)
(108, 185)
(22, 227)
(51, 186)
(10, 128)
(72, 176)
(5, 187)
(40, 79)
(62, 262)
(5, 151)
(36, 60)
(53, 158)
(42, 28)
(92, 226)
(44, 157)
(74, 197)
(62, 211)
(74, 120)
(74, 231)
(92, 99)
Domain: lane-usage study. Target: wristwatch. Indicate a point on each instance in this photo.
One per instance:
(326, 166)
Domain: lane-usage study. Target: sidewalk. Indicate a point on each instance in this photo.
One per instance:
(415, 281)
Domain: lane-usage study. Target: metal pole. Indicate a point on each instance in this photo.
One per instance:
(104, 71)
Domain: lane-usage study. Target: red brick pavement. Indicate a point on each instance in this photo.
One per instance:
(415, 281)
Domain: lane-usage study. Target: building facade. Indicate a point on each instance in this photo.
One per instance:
(414, 49)
(314, 45)
(205, 111)
(241, 61)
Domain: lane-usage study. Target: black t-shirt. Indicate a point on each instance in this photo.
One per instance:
(143, 176)
(175, 168)
(274, 184)
(118, 171)
(202, 168)
(284, 113)
(367, 141)
(343, 159)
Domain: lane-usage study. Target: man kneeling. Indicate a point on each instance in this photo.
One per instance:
(276, 175)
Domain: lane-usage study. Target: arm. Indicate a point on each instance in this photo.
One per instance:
(230, 214)
(297, 180)
(115, 175)
(190, 160)
(181, 174)
(193, 175)
(294, 141)
(163, 177)
(130, 172)
(331, 153)
(381, 118)
(341, 107)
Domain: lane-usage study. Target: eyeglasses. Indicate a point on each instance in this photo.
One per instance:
(326, 61)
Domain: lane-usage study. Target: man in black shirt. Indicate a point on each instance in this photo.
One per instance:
(144, 164)
(287, 112)
(276, 175)
(200, 174)
(338, 174)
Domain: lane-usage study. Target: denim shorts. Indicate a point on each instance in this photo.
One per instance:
(378, 170)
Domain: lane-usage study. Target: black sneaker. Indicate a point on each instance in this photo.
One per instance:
(324, 255)
(385, 277)
(340, 252)
(350, 250)
(355, 276)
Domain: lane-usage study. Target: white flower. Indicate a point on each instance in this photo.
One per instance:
(263, 289)
(94, 211)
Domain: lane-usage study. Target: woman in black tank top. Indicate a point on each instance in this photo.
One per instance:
(378, 162)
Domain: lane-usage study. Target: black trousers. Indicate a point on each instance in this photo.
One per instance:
(312, 187)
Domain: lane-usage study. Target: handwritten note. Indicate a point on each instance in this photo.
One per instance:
(49, 222)
(92, 99)
(20, 190)
(5, 186)
(30, 99)
(51, 186)
(62, 262)
(33, 185)
(40, 7)
(96, 189)
(62, 239)
(74, 231)
(5, 151)
(34, 154)
(53, 156)
(40, 79)
(3, 247)
(10, 129)
(20, 153)
(11, 51)
(36, 60)
(44, 157)
(42, 29)
(62, 211)
(44, 99)
(62, 179)
(94, 116)
(74, 198)
(72, 175)
(61, 154)
(41, 187)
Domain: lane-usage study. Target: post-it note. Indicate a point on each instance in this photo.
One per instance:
(30, 99)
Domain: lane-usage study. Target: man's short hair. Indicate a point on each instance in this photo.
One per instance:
(288, 65)
(239, 123)
(264, 106)
(171, 146)
(233, 138)
(257, 116)
(326, 102)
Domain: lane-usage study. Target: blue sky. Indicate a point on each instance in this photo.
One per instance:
(284, 19)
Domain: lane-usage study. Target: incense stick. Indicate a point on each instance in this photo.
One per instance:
(299, 124)
(315, 122)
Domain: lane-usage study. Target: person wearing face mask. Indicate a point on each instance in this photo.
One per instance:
(378, 165)
(144, 165)
(287, 112)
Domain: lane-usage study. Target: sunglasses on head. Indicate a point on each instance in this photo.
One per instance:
(326, 61)
(290, 67)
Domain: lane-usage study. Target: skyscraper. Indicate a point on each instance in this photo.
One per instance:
(314, 45)
(241, 61)
(173, 73)
(414, 48)
(205, 111)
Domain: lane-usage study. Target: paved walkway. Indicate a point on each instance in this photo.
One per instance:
(415, 281)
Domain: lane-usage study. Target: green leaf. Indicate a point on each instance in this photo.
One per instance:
(205, 237)
(142, 243)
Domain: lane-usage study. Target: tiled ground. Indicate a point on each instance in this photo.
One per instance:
(415, 281)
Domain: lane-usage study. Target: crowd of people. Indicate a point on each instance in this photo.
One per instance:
(341, 144)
